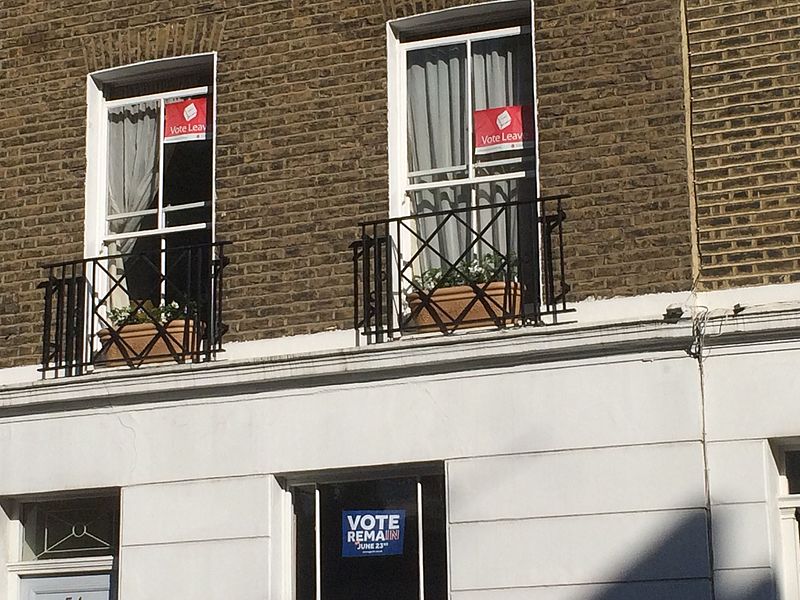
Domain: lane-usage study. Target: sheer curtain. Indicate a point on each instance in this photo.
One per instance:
(436, 120)
(132, 165)
(437, 88)
(501, 72)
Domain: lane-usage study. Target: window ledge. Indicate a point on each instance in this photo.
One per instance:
(86, 564)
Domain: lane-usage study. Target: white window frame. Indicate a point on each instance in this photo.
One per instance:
(18, 568)
(471, 180)
(480, 17)
(95, 206)
(397, 50)
(96, 237)
(161, 228)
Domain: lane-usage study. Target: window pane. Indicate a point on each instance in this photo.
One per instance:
(498, 226)
(502, 90)
(70, 528)
(187, 179)
(436, 82)
(176, 79)
(793, 471)
(132, 224)
(133, 132)
(188, 274)
(447, 174)
(490, 240)
(304, 504)
(501, 70)
(434, 537)
(442, 238)
(189, 216)
(136, 275)
(510, 161)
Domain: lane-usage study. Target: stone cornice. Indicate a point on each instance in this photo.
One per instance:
(395, 360)
(422, 356)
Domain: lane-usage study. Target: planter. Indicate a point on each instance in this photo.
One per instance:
(143, 343)
(444, 310)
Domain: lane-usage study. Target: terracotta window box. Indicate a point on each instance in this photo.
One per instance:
(459, 307)
(141, 343)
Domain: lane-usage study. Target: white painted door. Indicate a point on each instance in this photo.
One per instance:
(75, 587)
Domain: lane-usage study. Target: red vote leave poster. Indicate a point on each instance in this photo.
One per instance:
(503, 128)
(186, 120)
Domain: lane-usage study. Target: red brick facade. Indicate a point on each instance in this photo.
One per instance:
(612, 134)
(745, 73)
(302, 145)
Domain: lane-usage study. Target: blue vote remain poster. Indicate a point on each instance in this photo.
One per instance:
(372, 532)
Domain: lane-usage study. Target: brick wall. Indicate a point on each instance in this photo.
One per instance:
(745, 79)
(302, 143)
(612, 134)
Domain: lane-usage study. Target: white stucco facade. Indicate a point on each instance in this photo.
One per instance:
(580, 461)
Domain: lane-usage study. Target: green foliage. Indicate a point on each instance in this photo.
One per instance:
(489, 267)
(146, 313)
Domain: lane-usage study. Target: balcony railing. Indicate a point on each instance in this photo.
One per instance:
(161, 304)
(490, 265)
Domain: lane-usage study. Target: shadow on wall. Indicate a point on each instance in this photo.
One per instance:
(675, 567)
(652, 555)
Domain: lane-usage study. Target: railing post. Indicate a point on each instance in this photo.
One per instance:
(529, 224)
(211, 336)
(69, 350)
(562, 216)
(93, 293)
(547, 246)
(537, 209)
(47, 321)
(357, 247)
(378, 283)
(508, 307)
(80, 325)
(389, 282)
(217, 303)
(59, 333)
(194, 290)
(366, 245)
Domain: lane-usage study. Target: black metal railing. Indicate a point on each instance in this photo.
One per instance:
(440, 271)
(131, 309)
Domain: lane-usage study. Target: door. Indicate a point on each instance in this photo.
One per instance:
(76, 587)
